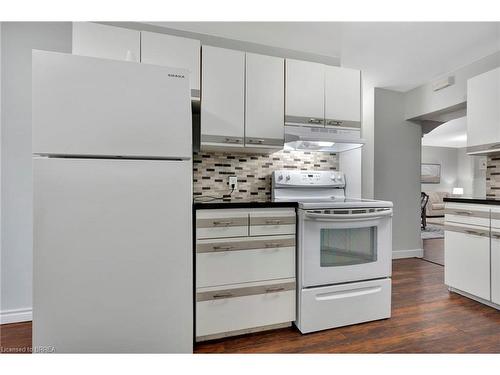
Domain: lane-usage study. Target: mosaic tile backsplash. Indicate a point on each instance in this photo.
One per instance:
(211, 171)
(493, 176)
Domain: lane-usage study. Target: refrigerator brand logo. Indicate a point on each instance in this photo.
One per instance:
(176, 75)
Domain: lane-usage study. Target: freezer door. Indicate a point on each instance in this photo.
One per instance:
(112, 258)
(89, 106)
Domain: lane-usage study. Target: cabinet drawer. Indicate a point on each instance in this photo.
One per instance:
(237, 308)
(467, 214)
(221, 223)
(277, 221)
(248, 260)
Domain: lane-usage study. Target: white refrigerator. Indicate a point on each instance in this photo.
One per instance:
(112, 252)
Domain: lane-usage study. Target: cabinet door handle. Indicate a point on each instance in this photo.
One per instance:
(232, 140)
(337, 123)
(222, 295)
(473, 232)
(258, 141)
(222, 247)
(315, 121)
(274, 290)
(272, 244)
(226, 223)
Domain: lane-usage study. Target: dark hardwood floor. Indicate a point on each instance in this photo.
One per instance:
(426, 318)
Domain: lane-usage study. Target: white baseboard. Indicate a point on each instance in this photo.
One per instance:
(412, 253)
(16, 315)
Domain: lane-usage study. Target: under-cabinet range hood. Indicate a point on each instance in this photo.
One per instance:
(320, 138)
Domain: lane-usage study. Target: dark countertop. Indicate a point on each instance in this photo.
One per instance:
(241, 204)
(472, 200)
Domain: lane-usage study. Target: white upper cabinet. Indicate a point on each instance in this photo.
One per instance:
(483, 112)
(265, 101)
(108, 42)
(342, 97)
(222, 97)
(173, 51)
(305, 92)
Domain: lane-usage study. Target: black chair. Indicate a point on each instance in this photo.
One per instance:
(424, 198)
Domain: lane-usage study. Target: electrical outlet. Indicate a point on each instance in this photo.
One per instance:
(233, 182)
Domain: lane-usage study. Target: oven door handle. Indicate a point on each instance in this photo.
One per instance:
(347, 217)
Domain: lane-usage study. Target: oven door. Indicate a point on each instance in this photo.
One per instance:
(338, 248)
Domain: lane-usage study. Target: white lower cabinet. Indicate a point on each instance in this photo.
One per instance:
(495, 267)
(467, 260)
(245, 271)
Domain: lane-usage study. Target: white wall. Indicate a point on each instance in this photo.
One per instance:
(479, 179)
(18, 39)
(423, 99)
(368, 133)
(447, 157)
(350, 164)
(457, 170)
(397, 170)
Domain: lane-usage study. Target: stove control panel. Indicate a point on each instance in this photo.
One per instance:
(285, 177)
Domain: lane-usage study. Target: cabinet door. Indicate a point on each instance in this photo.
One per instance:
(305, 92)
(483, 111)
(495, 267)
(265, 101)
(108, 42)
(342, 97)
(467, 261)
(174, 51)
(222, 97)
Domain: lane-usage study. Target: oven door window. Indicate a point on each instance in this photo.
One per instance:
(348, 246)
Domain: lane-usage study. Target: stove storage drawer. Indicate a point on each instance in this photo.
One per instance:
(275, 221)
(245, 259)
(221, 223)
(344, 304)
(244, 308)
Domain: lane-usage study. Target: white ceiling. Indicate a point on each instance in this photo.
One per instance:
(451, 134)
(322, 38)
(395, 55)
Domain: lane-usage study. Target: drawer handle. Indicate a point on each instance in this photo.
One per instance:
(497, 236)
(275, 222)
(463, 213)
(225, 223)
(315, 121)
(474, 232)
(258, 141)
(337, 123)
(222, 295)
(232, 140)
(272, 244)
(274, 290)
(223, 247)
(494, 146)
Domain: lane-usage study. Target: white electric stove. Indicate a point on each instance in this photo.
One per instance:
(344, 250)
